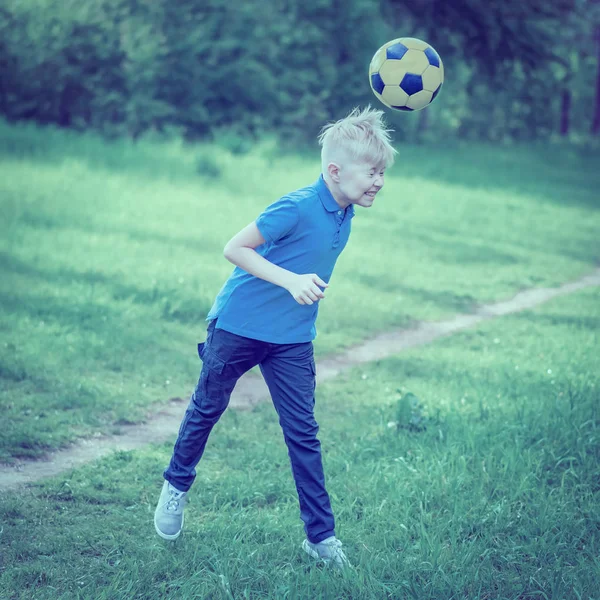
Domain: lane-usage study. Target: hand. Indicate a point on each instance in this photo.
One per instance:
(306, 288)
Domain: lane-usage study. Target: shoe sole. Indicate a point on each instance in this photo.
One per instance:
(166, 536)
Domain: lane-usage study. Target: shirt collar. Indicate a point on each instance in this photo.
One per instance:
(327, 198)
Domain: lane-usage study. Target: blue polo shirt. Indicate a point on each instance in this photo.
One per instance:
(304, 232)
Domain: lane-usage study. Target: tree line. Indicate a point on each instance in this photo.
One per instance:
(206, 68)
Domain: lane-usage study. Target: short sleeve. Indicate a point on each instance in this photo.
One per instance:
(278, 220)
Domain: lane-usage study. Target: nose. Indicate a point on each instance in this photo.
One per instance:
(379, 181)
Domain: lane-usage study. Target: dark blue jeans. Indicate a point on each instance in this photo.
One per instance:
(289, 371)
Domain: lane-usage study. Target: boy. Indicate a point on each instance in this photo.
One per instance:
(265, 315)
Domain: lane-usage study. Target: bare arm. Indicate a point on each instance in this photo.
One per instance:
(240, 250)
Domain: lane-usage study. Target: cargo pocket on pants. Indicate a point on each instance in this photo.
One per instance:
(211, 360)
(214, 386)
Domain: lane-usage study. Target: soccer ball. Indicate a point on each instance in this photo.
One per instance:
(406, 74)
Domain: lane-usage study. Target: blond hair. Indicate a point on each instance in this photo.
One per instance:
(361, 136)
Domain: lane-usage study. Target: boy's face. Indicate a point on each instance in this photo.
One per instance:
(359, 182)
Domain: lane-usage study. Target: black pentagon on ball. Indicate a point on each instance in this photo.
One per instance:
(436, 92)
(396, 51)
(432, 57)
(411, 83)
(377, 83)
(406, 108)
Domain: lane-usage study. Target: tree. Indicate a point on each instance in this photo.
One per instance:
(595, 129)
(529, 62)
(207, 68)
(491, 35)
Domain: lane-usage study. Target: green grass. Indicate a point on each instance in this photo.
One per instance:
(111, 256)
(493, 492)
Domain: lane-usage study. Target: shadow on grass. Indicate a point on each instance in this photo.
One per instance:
(578, 321)
(172, 306)
(456, 249)
(445, 300)
(562, 173)
(39, 220)
(158, 158)
(448, 245)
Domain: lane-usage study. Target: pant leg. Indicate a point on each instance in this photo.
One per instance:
(289, 371)
(226, 357)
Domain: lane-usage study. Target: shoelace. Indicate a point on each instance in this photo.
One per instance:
(337, 544)
(173, 502)
(336, 553)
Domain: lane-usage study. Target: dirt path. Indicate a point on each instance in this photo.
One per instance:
(251, 389)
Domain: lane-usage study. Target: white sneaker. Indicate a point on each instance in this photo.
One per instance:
(168, 516)
(329, 551)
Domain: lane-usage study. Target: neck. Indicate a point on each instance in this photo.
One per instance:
(340, 199)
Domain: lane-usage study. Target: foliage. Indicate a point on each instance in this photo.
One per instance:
(409, 413)
(124, 67)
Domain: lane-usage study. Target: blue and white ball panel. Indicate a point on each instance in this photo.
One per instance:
(413, 43)
(433, 57)
(378, 59)
(432, 78)
(377, 83)
(411, 83)
(394, 96)
(419, 100)
(415, 61)
(396, 51)
(392, 72)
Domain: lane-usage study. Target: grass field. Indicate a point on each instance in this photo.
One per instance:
(111, 255)
(493, 493)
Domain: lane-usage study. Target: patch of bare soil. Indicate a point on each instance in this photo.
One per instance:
(251, 389)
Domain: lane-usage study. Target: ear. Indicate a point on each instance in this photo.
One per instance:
(333, 169)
